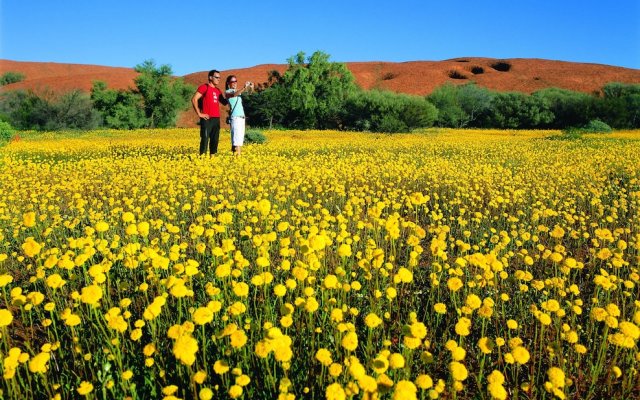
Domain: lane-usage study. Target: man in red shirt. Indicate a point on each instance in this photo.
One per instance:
(206, 101)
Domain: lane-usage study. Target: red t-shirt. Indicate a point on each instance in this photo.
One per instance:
(210, 100)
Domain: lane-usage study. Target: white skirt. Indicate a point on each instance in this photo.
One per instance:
(237, 131)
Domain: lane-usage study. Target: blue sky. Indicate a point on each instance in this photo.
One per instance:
(193, 36)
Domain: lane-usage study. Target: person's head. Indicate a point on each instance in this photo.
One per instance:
(232, 82)
(214, 76)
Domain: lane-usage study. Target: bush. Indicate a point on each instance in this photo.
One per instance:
(6, 132)
(255, 136)
(11, 77)
(389, 112)
(597, 126)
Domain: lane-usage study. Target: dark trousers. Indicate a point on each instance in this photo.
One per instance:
(209, 135)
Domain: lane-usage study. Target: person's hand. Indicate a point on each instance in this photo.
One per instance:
(204, 116)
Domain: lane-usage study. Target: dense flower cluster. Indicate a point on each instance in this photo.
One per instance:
(450, 264)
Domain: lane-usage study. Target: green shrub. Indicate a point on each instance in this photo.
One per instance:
(597, 126)
(255, 136)
(11, 77)
(6, 132)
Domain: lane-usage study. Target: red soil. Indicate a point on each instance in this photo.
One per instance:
(413, 77)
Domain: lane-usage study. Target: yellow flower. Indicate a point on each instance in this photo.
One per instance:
(238, 339)
(335, 369)
(185, 349)
(102, 226)
(405, 390)
(331, 282)
(458, 371)
(149, 349)
(440, 308)
(5, 317)
(85, 388)
(220, 367)
(418, 330)
(380, 364)
(199, 377)
(344, 250)
(72, 320)
(29, 219)
(235, 391)
(424, 381)
(91, 295)
(454, 284)
(202, 316)
(30, 247)
(556, 377)
(5, 279)
(126, 375)
(520, 355)
(463, 326)
(350, 341)
(243, 380)
(485, 344)
(396, 361)
(280, 290)
(205, 394)
(324, 356)
(335, 392)
(241, 289)
(38, 364)
(372, 320)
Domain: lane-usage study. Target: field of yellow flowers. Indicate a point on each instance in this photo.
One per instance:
(440, 264)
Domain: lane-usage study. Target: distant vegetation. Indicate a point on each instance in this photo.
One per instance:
(11, 77)
(154, 103)
(315, 93)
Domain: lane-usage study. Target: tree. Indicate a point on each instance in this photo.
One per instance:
(120, 109)
(162, 95)
(475, 101)
(316, 91)
(515, 110)
(460, 106)
(445, 99)
(620, 106)
(570, 109)
(268, 105)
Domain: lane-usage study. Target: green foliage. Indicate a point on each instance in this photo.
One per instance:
(120, 109)
(381, 111)
(162, 95)
(6, 132)
(72, 110)
(255, 136)
(569, 108)
(460, 106)
(154, 103)
(316, 90)
(620, 105)
(597, 126)
(512, 110)
(10, 77)
(310, 94)
(267, 106)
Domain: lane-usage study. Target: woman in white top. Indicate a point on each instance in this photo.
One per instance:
(236, 112)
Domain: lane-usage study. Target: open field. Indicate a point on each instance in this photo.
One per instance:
(441, 264)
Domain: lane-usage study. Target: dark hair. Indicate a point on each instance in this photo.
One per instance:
(213, 71)
(227, 84)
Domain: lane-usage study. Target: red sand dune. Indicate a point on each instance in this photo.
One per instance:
(413, 77)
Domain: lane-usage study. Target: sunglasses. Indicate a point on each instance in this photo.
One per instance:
(233, 81)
